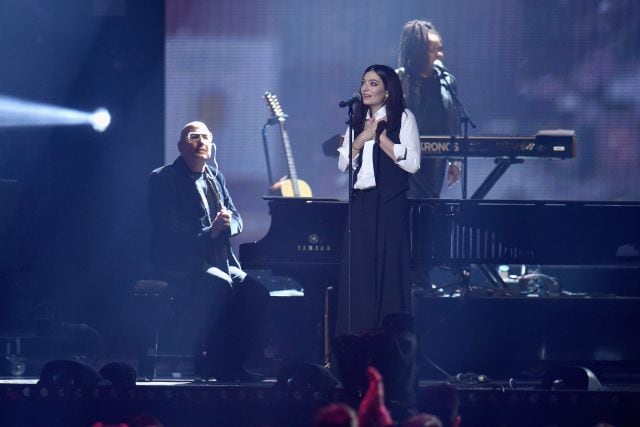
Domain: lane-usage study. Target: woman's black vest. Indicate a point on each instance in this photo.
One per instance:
(391, 180)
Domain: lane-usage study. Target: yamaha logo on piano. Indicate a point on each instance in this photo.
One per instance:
(313, 245)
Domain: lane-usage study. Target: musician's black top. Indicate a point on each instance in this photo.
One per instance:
(432, 104)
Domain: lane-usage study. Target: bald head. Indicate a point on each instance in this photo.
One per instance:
(195, 126)
(195, 145)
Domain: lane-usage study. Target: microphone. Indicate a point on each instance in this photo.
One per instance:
(439, 66)
(351, 100)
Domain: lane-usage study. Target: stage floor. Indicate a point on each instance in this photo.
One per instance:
(494, 351)
(187, 403)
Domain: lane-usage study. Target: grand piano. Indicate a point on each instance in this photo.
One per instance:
(306, 236)
(305, 242)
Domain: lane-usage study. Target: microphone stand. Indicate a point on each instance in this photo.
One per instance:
(465, 120)
(351, 183)
(271, 121)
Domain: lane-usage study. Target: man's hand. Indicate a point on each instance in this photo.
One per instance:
(221, 222)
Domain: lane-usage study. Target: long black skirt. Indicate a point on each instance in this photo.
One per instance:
(375, 273)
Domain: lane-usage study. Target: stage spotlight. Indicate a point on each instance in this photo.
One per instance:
(13, 366)
(100, 119)
(18, 112)
(570, 378)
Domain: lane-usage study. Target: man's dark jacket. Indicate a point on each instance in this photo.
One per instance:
(180, 238)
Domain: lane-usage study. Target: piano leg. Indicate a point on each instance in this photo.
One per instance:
(325, 330)
(318, 322)
(492, 276)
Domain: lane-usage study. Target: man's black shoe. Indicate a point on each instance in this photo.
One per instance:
(247, 376)
(206, 369)
(242, 375)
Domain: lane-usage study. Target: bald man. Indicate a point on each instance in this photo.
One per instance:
(193, 217)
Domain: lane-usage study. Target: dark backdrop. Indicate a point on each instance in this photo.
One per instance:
(79, 221)
(521, 66)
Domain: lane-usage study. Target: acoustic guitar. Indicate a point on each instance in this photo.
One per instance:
(291, 186)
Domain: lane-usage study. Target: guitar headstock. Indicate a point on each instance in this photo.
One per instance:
(274, 105)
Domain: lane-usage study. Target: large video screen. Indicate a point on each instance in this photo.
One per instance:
(521, 67)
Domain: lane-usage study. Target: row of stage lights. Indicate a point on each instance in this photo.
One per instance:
(233, 393)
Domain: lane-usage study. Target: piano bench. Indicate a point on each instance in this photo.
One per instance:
(154, 307)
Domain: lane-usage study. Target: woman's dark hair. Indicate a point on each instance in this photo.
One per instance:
(414, 46)
(394, 104)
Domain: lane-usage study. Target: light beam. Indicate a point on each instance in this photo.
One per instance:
(17, 112)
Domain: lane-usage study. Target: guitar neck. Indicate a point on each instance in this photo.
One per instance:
(291, 167)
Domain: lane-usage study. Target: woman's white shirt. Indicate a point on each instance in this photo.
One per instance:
(407, 153)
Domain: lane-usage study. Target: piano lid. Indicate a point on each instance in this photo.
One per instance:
(526, 232)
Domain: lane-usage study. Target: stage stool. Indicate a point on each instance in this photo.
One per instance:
(151, 300)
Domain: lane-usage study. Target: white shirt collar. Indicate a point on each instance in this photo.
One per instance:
(379, 114)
